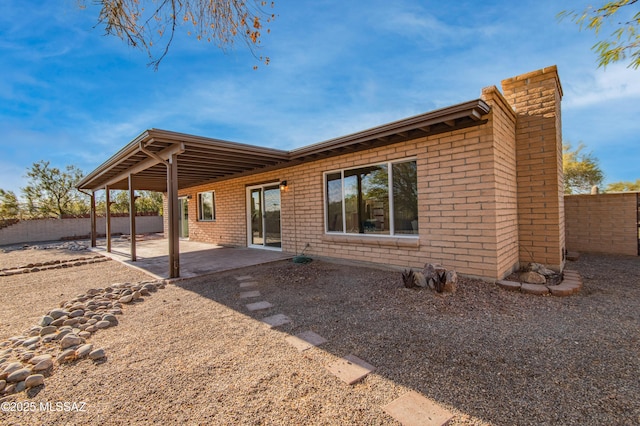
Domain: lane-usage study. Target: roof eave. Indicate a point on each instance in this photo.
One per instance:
(472, 109)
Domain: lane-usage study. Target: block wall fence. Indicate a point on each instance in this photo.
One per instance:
(603, 223)
(483, 192)
(38, 230)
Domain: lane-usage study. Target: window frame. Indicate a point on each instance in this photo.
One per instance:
(213, 206)
(389, 164)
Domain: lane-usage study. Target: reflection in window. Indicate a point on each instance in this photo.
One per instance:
(359, 200)
(206, 206)
(334, 202)
(405, 197)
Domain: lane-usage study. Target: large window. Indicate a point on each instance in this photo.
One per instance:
(379, 199)
(206, 206)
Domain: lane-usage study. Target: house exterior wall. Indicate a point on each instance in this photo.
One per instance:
(484, 192)
(536, 97)
(467, 206)
(502, 134)
(603, 223)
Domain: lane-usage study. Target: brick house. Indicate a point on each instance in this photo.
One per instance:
(476, 186)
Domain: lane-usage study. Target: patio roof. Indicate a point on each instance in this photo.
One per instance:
(202, 160)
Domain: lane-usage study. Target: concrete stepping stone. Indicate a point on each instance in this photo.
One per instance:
(305, 340)
(244, 278)
(246, 284)
(258, 306)
(276, 320)
(350, 369)
(414, 409)
(249, 294)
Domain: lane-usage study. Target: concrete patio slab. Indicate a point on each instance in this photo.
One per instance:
(276, 320)
(413, 409)
(350, 369)
(249, 294)
(259, 306)
(305, 340)
(195, 258)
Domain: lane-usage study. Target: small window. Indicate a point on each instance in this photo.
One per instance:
(206, 206)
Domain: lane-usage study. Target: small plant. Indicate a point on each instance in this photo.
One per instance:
(409, 279)
(440, 281)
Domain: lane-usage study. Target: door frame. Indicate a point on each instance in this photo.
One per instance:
(181, 219)
(262, 187)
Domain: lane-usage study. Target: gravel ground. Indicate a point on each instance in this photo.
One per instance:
(193, 353)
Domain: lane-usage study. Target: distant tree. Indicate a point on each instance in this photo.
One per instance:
(624, 41)
(581, 171)
(149, 202)
(9, 206)
(146, 202)
(151, 24)
(624, 186)
(51, 192)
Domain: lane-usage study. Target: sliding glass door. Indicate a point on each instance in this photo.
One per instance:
(264, 217)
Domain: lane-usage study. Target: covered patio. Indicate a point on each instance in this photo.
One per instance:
(196, 258)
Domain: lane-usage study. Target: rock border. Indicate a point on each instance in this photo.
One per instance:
(571, 284)
(52, 264)
(63, 334)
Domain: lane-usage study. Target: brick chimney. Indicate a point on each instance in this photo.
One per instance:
(535, 98)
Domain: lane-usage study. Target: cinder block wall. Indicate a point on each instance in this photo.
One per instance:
(603, 223)
(536, 98)
(27, 231)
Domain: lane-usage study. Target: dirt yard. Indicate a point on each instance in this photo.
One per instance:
(194, 354)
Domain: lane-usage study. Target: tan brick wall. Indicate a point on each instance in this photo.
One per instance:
(536, 98)
(459, 176)
(603, 223)
(506, 196)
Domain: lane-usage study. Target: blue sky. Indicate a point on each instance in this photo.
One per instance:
(70, 95)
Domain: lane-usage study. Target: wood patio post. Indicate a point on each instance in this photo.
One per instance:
(108, 217)
(132, 218)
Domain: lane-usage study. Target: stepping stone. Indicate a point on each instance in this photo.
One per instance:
(258, 306)
(413, 409)
(305, 340)
(244, 278)
(276, 320)
(248, 294)
(246, 284)
(350, 369)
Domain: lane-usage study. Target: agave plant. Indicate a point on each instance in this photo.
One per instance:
(440, 281)
(409, 278)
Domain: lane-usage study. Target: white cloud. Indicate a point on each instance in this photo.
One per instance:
(615, 83)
